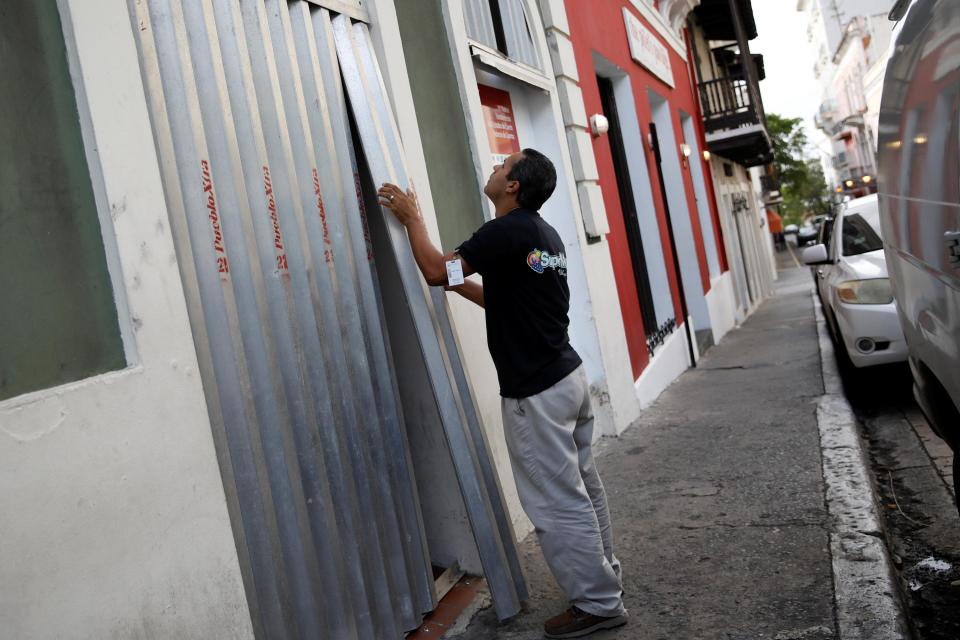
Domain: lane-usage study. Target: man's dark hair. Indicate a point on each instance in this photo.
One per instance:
(537, 179)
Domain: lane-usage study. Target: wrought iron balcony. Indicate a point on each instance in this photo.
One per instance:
(736, 126)
(727, 104)
(734, 120)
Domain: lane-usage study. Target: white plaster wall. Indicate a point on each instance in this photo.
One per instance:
(722, 303)
(768, 257)
(746, 237)
(113, 520)
(670, 361)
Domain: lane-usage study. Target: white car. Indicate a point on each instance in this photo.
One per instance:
(852, 281)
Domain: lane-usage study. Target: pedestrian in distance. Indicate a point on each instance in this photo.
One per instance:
(545, 398)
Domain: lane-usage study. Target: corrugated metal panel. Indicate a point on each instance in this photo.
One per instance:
(259, 172)
(516, 31)
(383, 150)
(480, 22)
(283, 298)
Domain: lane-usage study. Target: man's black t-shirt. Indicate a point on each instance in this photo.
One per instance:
(526, 298)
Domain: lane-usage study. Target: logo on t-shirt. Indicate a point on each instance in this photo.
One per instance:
(540, 261)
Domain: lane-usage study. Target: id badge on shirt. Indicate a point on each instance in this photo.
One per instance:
(454, 272)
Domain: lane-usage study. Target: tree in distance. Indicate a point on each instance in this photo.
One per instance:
(802, 184)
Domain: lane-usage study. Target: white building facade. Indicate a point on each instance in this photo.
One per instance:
(850, 38)
(729, 73)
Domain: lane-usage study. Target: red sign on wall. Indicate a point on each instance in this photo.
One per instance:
(500, 123)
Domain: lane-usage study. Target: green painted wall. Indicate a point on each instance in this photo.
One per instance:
(58, 320)
(457, 197)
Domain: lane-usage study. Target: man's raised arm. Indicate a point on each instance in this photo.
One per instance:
(431, 260)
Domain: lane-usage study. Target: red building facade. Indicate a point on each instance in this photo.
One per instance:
(633, 70)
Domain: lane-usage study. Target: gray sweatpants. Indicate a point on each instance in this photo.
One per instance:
(548, 436)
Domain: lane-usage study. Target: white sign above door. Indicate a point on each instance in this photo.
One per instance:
(646, 49)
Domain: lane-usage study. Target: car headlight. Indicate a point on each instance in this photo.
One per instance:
(875, 291)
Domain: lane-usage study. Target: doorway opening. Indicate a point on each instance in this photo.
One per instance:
(628, 207)
(675, 203)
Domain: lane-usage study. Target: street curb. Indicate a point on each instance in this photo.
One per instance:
(865, 593)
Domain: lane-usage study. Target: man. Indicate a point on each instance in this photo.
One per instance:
(547, 418)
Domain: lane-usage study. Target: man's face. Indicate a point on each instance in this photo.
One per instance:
(498, 185)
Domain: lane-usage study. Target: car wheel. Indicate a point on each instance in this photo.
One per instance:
(839, 345)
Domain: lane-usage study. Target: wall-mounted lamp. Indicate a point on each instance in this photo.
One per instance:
(706, 155)
(867, 179)
(685, 152)
(599, 125)
(849, 184)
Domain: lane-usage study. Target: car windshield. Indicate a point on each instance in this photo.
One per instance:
(861, 233)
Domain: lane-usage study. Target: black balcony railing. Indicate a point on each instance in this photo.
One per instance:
(732, 105)
(727, 104)
(732, 109)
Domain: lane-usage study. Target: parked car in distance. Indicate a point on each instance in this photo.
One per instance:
(824, 233)
(919, 187)
(852, 282)
(806, 235)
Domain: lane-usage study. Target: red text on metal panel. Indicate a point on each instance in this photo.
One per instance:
(281, 256)
(218, 246)
(327, 255)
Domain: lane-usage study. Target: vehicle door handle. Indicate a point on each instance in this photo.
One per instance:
(952, 239)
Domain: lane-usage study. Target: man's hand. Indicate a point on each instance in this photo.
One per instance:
(431, 261)
(403, 205)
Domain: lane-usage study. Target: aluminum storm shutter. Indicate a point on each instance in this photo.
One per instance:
(253, 136)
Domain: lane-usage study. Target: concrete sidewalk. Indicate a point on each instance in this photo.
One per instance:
(718, 496)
